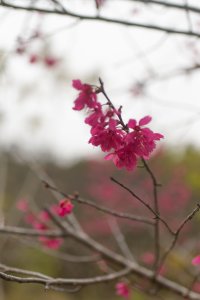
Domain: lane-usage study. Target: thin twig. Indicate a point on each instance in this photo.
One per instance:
(170, 4)
(144, 203)
(177, 233)
(101, 208)
(119, 237)
(156, 208)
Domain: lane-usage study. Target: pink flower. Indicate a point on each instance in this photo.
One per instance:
(33, 58)
(127, 142)
(39, 225)
(122, 289)
(143, 139)
(65, 207)
(107, 138)
(124, 157)
(55, 209)
(44, 216)
(52, 243)
(148, 258)
(196, 287)
(87, 96)
(22, 205)
(50, 61)
(30, 218)
(196, 260)
(96, 116)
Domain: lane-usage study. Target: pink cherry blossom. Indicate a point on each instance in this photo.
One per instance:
(196, 287)
(143, 139)
(127, 142)
(30, 218)
(96, 116)
(44, 216)
(33, 58)
(122, 289)
(52, 243)
(196, 260)
(50, 61)
(22, 205)
(124, 157)
(39, 225)
(65, 207)
(107, 138)
(148, 258)
(87, 96)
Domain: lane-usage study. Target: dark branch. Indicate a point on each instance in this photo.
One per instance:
(101, 19)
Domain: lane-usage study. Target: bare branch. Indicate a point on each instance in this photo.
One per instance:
(119, 237)
(170, 4)
(48, 282)
(177, 233)
(156, 208)
(31, 232)
(101, 19)
(101, 208)
(144, 203)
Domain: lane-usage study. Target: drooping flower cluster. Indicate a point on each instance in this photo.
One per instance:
(42, 221)
(124, 142)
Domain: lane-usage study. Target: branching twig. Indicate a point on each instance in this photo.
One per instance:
(101, 19)
(177, 233)
(101, 208)
(144, 203)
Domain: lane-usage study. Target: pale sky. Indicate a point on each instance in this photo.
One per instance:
(36, 102)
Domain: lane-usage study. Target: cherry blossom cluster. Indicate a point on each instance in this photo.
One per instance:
(42, 220)
(125, 143)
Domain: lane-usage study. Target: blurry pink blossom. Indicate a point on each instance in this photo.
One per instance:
(22, 205)
(65, 207)
(148, 258)
(122, 289)
(52, 243)
(196, 260)
(33, 58)
(87, 96)
(50, 61)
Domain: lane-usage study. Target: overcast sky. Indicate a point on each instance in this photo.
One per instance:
(36, 102)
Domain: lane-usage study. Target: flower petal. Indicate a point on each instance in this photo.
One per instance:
(145, 120)
(132, 123)
(77, 84)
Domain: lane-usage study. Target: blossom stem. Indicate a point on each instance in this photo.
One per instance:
(124, 126)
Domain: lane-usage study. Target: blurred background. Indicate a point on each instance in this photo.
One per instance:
(148, 72)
